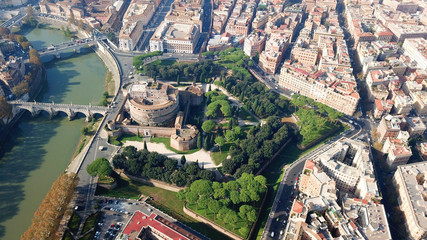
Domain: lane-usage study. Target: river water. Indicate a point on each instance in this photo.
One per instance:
(40, 149)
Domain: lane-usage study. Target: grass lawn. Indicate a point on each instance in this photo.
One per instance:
(218, 156)
(67, 236)
(166, 142)
(106, 180)
(164, 200)
(316, 135)
(74, 222)
(114, 141)
(164, 62)
(109, 84)
(88, 236)
(120, 140)
(274, 173)
(91, 222)
(245, 115)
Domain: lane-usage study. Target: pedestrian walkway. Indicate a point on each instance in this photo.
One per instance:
(202, 156)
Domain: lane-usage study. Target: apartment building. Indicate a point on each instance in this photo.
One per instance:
(397, 150)
(416, 49)
(222, 10)
(420, 102)
(369, 218)
(254, 43)
(241, 18)
(403, 104)
(335, 89)
(404, 31)
(136, 17)
(409, 181)
(348, 163)
(185, 12)
(382, 107)
(175, 37)
(389, 127)
(315, 182)
(414, 126)
(305, 53)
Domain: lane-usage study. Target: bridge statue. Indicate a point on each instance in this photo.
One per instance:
(53, 109)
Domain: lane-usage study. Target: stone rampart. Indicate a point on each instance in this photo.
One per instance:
(148, 131)
(151, 182)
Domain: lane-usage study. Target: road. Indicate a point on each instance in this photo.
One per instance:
(158, 17)
(16, 19)
(278, 216)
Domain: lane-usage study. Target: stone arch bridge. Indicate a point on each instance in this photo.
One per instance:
(53, 109)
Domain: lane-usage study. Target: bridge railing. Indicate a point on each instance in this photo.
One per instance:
(57, 105)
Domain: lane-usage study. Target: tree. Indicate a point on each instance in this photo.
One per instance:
(5, 108)
(100, 167)
(244, 231)
(203, 203)
(35, 57)
(220, 141)
(178, 178)
(85, 130)
(206, 144)
(4, 31)
(112, 37)
(214, 206)
(232, 218)
(183, 160)
(235, 197)
(192, 197)
(177, 80)
(181, 195)
(248, 213)
(47, 217)
(202, 187)
(199, 141)
(21, 89)
(230, 135)
(208, 126)
(29, 10)
(25, 45)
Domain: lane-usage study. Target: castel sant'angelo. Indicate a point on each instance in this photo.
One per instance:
(153, 108)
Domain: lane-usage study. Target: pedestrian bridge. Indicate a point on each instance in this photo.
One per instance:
(53, 109)
(66, 46)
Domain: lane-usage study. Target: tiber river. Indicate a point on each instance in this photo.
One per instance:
(40, 149)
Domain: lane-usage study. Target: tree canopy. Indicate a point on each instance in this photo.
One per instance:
(231, 201)
(260, 145)
(208, 126)
(100, 167)
(5, 108)
(154, 165)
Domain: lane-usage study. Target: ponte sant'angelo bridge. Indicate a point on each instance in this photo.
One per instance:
(70, 109)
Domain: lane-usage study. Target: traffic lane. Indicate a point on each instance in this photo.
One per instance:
(281, 211)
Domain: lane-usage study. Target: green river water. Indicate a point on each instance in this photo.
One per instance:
(40, 149)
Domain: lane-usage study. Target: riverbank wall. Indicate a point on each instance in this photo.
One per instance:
(58, 23)
(111, 63)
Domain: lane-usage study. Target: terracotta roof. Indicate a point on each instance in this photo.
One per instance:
(309, 164)
(298, 207)
(139, 221)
